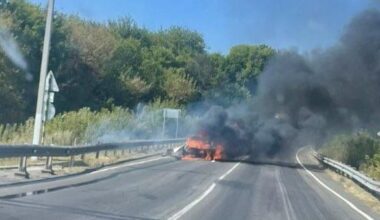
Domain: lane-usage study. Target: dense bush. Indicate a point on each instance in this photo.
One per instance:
(360, 150)
(106, 125)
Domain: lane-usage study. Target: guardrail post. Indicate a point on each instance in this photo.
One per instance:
(22, 168)
(131, 147)
(48, 166)
(82, 156)
(72, 157)
(97, 155)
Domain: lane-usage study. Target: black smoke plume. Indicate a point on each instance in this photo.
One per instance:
(304, 99)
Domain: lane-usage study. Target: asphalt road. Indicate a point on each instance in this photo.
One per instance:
(162, 188)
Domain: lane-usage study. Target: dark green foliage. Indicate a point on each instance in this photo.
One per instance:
(360, 150)
(100, 65)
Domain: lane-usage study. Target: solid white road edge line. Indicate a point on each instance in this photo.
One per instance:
(183, 211)
(366, 216)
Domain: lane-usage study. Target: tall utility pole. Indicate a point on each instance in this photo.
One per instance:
(44, 67)
(41, 87)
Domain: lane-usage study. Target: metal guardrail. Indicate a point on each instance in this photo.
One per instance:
(63, 151)
(368, 183)
(25, 151)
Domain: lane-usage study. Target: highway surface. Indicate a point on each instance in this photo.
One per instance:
(164, 188)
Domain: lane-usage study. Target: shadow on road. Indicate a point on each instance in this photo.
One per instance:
(108, 176)
(67, 210)
(279, 163)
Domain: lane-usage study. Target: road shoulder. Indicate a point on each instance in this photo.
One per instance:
(40, 186)
(350, 191)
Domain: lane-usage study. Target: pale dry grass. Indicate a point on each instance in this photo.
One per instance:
(14, 161)
(354, 189)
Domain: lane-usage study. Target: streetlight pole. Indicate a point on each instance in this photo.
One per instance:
(43, 72)
(41, 86)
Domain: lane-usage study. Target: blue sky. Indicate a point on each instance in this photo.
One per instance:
(282, 24)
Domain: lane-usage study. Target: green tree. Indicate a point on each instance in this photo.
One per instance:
(179, 86)
(127, 28)
(103, 65)
(94, 43)
(245, 62)
(181, 41)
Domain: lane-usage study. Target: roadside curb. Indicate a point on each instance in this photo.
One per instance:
(86, 171)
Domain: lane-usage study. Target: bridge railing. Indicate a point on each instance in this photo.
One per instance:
(366, 182)
(24, 150)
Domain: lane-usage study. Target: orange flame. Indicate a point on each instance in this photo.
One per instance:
(200, 148)
(218, 152)
(197, 143)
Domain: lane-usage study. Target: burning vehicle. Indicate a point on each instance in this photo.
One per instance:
(200, 147)
(217, 137)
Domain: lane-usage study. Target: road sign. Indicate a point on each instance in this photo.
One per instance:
(51, 87)
(50, 112)
(171, 113)
(51, 84)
